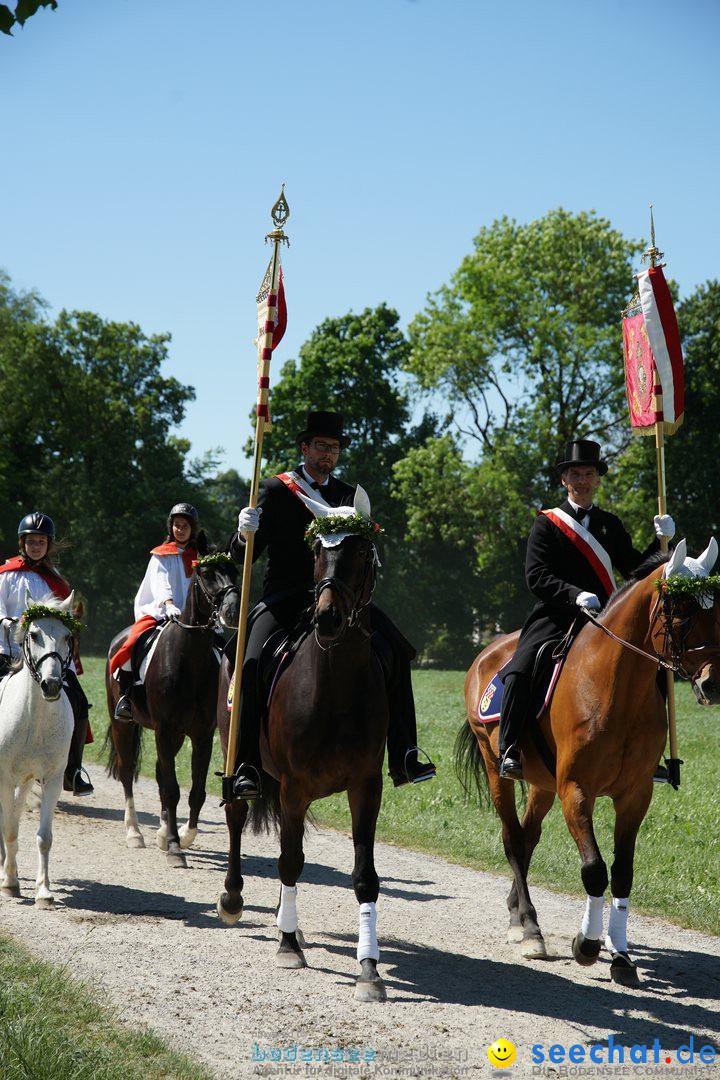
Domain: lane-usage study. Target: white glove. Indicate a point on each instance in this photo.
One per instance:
(664, 526)
(588, 601)
(249, 519)
(172, 609)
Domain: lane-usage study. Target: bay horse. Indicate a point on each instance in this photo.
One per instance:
(36, 726)
(606, 728)
(326, 731)
(178, 699)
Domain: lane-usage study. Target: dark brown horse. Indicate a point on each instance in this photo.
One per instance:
(326, 731)
(178, 699)
(606, 727)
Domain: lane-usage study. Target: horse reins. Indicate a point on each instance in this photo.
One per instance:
(33, 666)
(215, 603)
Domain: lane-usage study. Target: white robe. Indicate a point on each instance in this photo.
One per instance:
(164, 580)
(18, 588)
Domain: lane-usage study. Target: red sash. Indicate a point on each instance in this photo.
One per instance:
(57, 584)
(587, 545)
(123, 653)
(188, 555)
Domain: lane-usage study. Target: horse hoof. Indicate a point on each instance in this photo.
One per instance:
(187, 837)
(299, 937)
(369, 986)
(45, 903)
(10, 892)
(290, 955)
(586, 950)
(623, 971)
(161, 839)
(533, 948)
(514, 935)
(134, 840)
(176, 859)
(226, 915)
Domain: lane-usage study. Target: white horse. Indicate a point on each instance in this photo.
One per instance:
(36, 726)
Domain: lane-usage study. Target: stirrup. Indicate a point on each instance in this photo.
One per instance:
(124, 709)
(246, 783)
(413, 772)
(81, 783)
(510, 764)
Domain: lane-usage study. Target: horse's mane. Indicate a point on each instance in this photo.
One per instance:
(639, 574)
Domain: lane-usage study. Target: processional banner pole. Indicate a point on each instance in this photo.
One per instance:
(654, 380)
(270, 330)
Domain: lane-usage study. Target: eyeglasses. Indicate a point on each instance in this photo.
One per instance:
(326, 448)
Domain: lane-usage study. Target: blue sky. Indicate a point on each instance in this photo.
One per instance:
(144, 141)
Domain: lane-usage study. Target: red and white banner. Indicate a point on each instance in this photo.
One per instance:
(272, 322)
(653, 358)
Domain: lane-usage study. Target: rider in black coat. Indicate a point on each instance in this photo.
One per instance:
(564, 573)
(279, 523)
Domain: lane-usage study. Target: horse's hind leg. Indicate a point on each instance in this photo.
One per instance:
(50, 795)
(630, 810)
(364, 803)
(578, 810)
(126, 740)
(200, 763)
(290, 864)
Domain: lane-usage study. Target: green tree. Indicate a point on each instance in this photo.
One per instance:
(86, 436)
(525, 344)
(24, 9)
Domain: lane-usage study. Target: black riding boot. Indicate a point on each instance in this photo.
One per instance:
(513, 713)
(246, 778)
(403, 764)
(74, 780)
(123, 709)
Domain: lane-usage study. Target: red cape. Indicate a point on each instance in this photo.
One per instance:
(58, 585)
(189, 555)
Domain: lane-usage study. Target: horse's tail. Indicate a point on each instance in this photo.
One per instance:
(470, 765)
(112, 758)
(264, 813)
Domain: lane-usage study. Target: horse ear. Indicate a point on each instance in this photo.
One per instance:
(202, 544)
(677, 559)
(67, 604)
(709, 556)
(362, 501)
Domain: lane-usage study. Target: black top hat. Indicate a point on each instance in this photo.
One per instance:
(582, 452)
(329, 424)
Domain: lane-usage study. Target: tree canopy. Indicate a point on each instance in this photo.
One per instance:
(24, 9)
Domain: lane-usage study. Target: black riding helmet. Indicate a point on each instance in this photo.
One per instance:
(186, 510)
(37, 523)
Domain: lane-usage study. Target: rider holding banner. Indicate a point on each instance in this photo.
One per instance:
(570, 554)
(278, 523)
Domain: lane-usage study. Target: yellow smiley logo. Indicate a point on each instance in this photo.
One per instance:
(501, 1053)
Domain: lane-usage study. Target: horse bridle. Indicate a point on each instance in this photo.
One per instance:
(33, 665)
(215, 601)
(352, 600)
(663, 614)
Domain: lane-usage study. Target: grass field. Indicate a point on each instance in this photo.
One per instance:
(676, 868)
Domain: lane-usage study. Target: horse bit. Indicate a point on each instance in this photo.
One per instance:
(352, 600)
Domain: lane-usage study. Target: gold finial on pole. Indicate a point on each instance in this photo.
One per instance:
(279, 214)
(653, 254)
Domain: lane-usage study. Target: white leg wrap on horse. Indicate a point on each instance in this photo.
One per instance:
(592, 924)
(616, 939)
(367, 935)
(287, 920)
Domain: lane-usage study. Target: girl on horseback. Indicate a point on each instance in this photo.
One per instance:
(161, 594)
(25, 578)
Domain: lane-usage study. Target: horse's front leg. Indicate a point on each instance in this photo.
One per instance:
(230, 904)
(9, 823)
(578, 810)
(630, 811)
(293, 807)
(200, 763)
(50, 794)
(168, 744)
(364, 801)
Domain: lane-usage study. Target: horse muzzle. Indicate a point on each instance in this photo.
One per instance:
(706, 686)
(328, 621)
(51, 688)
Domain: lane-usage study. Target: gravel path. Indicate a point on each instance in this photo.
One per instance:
(149, 940)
